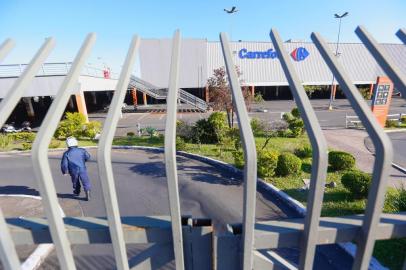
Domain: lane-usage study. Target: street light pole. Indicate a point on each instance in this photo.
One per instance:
(332, 94)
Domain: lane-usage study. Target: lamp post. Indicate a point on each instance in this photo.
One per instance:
(332, 93)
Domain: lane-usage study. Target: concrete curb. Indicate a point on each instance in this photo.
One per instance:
(394, 165)
(34, 261)
(395, 130)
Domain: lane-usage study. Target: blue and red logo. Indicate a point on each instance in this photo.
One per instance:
(299, 54)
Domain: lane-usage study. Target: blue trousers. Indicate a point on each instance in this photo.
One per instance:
(77, 178)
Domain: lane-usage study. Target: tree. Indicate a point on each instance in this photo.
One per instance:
(220, 93)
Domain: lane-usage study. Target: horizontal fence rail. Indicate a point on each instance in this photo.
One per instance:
(183, 241)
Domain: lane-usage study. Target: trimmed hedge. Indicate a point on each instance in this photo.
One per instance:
(339, 160)
(180, 144)
(267, 162)
(357, 182)
(288, 164)
(304, 151)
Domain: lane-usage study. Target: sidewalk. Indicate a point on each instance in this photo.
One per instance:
(25, 206)
(352, 141)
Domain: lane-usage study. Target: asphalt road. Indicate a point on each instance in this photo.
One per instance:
(141, 184)
(327, 119)
(399, 146)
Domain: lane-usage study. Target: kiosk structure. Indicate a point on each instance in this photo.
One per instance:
(381, 99)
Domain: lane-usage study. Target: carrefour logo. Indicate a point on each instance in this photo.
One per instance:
(298, 54)
(244, 53)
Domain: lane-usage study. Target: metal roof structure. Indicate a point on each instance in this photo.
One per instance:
(198, 62)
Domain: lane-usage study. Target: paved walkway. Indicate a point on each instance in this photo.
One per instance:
(353, 141)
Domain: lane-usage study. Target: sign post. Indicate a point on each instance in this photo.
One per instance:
(381, 99)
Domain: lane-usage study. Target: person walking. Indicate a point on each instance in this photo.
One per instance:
(74, 163)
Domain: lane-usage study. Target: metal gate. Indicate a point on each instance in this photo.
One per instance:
(194, 244)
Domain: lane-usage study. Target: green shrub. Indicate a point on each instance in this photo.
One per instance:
(91, 129)
(202, 132)
(238, 159)
(304, 152)
(73, 125)
(339, 160)
(211, 130)
(258, 127)
(287, 133)
(296, 126)
(152, 132)
(258, 98)
(295, 123)
(23, 136)
(27, 146)
(357, 182)
(403, 119)
(5, 140)
(391, 123)
(295, 112)
(400, 202)
(288, 164)
(395, 200)
(218, 122)
(267, 162)
(288, 116)
(130, 134)
(184, 130)
(54, 144)
(180, 144)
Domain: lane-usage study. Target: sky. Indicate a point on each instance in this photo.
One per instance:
(28, 23)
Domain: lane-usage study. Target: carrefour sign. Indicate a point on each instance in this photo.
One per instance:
(244, 53)
(298, 54)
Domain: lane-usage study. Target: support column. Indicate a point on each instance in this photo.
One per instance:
(371, 90)
(144, 97)
(81, 103)
(252, 88)
(29, 108)
(206, 94)
(134, 96)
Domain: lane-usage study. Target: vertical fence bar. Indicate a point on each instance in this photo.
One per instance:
(40, 161)
(8, 253)
(383, 157)
(170, 152)
(383, 59)
(104, 158)
(402, 35)
(5, 48)
(319, 163)
(250, 156)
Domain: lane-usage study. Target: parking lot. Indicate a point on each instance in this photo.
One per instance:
(267, 111)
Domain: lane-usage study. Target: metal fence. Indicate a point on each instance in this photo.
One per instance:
(194, 243)
(352, 121)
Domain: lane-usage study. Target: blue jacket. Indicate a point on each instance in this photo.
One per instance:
(73, 160)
